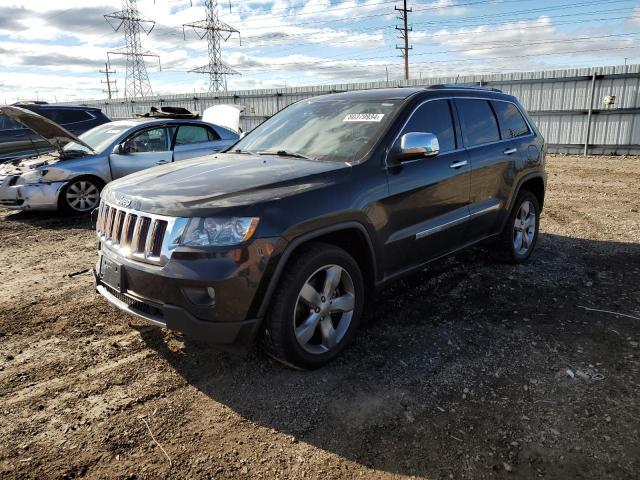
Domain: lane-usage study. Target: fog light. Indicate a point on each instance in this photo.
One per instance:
(202, 296)
(212, 294)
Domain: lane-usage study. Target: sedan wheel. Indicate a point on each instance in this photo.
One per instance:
(82, 195)
(324, 309)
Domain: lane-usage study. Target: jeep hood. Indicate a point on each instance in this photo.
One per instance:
(203, 185)
(53, 133)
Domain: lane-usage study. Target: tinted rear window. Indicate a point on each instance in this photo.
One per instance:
(479, 123)
(434, 117)
(191, 134)
(512, 124)
(64, 115)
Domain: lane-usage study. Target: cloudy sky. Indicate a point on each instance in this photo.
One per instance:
(53, 50)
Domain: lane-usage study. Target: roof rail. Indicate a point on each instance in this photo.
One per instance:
(465, 86)
(31, 102)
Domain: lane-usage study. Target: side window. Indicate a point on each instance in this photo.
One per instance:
(191, 134)
(64, 115)
(7, 124)
(478, 121)
(434, 117)
(512, 124)
(154, 140)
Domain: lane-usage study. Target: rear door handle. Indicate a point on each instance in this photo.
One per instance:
(459, 164)
(510, 151)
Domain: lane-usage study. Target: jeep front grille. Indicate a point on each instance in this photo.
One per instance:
(139, 236)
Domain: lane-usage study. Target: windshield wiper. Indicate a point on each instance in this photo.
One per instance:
(284, 153)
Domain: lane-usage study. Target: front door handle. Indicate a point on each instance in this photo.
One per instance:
(459, 164)
(162, 162)
(510, 151)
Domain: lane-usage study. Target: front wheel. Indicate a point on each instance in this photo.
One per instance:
(520, 234)
(81, 195)
(317, 307)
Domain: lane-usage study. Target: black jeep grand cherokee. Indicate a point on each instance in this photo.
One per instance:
(284, 235)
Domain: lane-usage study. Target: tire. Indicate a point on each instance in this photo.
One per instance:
(520, 234)
(80, 195)
(309, 331)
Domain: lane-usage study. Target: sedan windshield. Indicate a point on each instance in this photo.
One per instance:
(332, 130)
(98, 138)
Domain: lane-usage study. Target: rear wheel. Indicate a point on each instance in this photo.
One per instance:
(317, 307)
(81, 195)
(520, 234)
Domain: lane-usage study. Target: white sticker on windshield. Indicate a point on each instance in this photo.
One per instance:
(113, 131)
(364, 117)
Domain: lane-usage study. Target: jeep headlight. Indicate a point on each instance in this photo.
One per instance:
(213, 231)
(33, 176)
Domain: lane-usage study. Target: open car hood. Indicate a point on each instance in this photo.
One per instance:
(227, 116)
(53, 133)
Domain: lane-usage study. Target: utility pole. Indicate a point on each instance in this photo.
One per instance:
(404, 35)
(137, 82)
(216, 32)
(108, 81)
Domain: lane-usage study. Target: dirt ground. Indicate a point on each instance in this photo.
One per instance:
(470, 369)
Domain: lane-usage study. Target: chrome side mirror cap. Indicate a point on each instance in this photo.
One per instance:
(414, 146)
(118, 150)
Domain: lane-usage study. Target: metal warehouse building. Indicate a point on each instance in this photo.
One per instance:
(594, 110)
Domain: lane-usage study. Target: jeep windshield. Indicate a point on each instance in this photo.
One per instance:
(98, 138)
(329, 130)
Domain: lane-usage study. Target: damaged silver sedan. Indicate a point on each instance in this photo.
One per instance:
(72, 177)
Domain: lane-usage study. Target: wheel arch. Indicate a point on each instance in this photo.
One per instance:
(535, 185)
(353, 237)
(100, 181)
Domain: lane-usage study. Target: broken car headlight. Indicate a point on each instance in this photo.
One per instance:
(218, 231)
(34, 176)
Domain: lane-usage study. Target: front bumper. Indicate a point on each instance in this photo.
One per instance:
(40, 196)
(171, 296)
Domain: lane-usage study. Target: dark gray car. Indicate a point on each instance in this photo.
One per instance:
(72, 177)
(16, 140)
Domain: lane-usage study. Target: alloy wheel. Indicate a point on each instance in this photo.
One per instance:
(524, 229)
(82, 195)
(324, 309)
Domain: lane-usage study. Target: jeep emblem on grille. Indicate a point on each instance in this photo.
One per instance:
(122, 200)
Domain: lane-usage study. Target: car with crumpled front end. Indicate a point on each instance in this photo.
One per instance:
(72, 177)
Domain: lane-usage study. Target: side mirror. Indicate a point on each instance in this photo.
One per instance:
(118, 149)
(415, 145)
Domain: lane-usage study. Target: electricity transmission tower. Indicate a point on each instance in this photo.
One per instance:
(137, 82)
(216, 32)
(404, 35)
(110, 90)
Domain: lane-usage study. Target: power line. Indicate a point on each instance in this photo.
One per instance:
(493, 46)
(431, 8)
(137, 82)
(216, 32)
(404, 30)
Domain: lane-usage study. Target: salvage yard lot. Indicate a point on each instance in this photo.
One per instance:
(469, 369)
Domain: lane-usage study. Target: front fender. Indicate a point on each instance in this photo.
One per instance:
(293, 239)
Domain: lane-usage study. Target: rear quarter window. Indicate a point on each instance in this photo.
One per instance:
(512, 123)
(479, 124)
